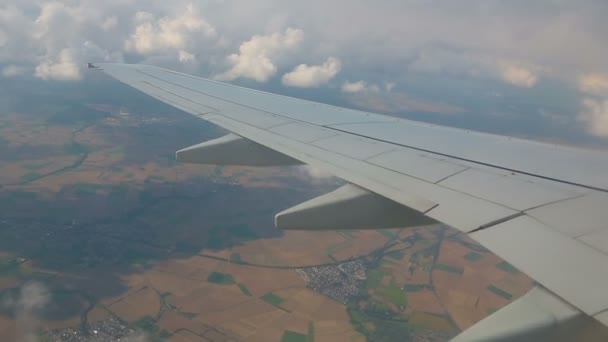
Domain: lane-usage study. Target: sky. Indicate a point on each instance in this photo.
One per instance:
(543, 63)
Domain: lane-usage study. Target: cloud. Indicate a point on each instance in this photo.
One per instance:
(310, 76)
(594, 84)
(389, 86)
(353, 87)
(64, 67)
(168, 34)
(594, 105)
(360, 86)
(519, 76)
(316, 175)
(27, 304)
(595, 114)
(395, 103)
(12, 70)
(232, 39)
(256, 57)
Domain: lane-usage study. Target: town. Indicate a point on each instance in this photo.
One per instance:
(339, 282)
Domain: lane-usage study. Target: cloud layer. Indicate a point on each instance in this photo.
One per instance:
(519, 43)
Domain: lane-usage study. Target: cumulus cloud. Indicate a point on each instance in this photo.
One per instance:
(360, 86)
(63, 67)
(594, 106)
(594, 84)
(353, 87)
(157, 35)
(595, 114)
(256, 57)
(519, 76)
(26, 305)
(309, 76)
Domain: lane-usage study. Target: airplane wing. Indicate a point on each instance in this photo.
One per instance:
(541, 207)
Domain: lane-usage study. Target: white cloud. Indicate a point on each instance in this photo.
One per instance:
(185, 56)
(110, 23)
(594, 107)
(595, 115)
(309, 76)
(360, 86)
(594, 84)
(519, 76)
(256, 57)
(353, 87)
(153, 35)
(64, 68)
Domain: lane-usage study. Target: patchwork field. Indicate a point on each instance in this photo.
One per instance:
(98, 215)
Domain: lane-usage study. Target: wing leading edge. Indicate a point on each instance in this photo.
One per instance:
(541, 207)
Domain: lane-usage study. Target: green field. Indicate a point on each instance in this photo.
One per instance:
(499, 292)
(448, 268)
(415, 287)
(311, 332)
(9, 268)
(87, 188)
(374, 277)
(220, 278)
(36, 166)
(271, 298)
(505, 266)
(236, 258)
(292, 336)
(244, 289)
(30, 176)
(393, 294)
(472, 256)
(396, 254)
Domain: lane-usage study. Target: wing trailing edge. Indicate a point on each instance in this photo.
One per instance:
(537, 316)
(349, 207)
(233, 150)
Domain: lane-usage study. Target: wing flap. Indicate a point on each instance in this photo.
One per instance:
(349, 207)
(506, 190)
(565, 266)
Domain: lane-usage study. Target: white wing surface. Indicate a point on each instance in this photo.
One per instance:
(541, 207)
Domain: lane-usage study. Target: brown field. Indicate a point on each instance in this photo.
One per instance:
(435, 322)
(174, 288)
(137, 305)
(210, 300)
(98, 314)
(253, 311)
(425, 301)
(363, 243)
(186, 336)
(173, 321)
(295, 248)
(304, 301)
(264, 280)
